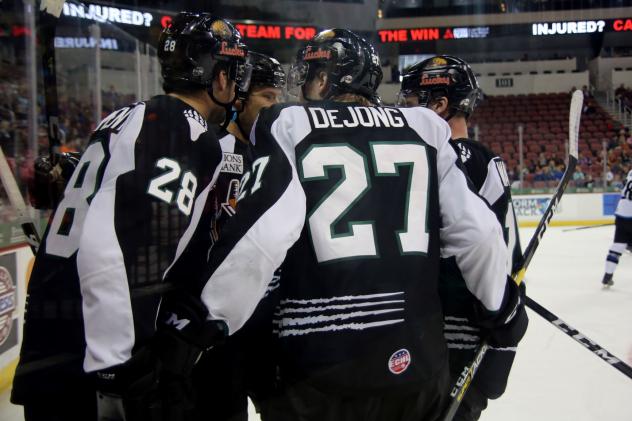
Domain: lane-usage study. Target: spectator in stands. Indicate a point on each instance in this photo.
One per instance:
(6, 136)
(586, 91)
(579, 177)
(589, 181)
(609, 176)
(620, 91)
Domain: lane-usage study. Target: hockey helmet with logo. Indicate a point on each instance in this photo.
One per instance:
(266, 72)
(442, 76)
(351, 63)
(193, 44)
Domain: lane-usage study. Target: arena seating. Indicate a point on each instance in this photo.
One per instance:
(544, 118)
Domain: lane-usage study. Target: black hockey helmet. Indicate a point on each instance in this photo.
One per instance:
(193, 44)
(442, 76)
(351, 63)
(266, 71)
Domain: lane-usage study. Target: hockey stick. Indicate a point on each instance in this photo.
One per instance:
(466, 377)
(588, 227)
(581, 338)
(573, 141)
(50, 10)
(16, 200)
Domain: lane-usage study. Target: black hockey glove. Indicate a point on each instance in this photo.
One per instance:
(155, 385)
(49, 182)
(506, 327)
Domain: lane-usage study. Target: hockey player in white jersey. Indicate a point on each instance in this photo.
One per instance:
(357, 202)
(622, 231)
(447, 85)
(122, 241)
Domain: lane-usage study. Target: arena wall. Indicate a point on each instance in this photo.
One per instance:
(567, 65)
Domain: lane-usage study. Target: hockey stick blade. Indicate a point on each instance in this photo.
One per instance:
(458, 392)
(589, 344)
(573, 140)
(16, 200)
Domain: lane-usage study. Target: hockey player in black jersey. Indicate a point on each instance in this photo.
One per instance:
(357, 202)
(241, 366)
(448, 86)
(122, 240)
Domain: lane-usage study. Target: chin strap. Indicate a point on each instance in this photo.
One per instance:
(228, 108)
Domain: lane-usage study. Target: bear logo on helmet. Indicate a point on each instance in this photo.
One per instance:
(221, 28)
(437, 62)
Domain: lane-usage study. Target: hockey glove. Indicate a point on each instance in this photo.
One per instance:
(507, 326)
(49, 182)
(155, 385)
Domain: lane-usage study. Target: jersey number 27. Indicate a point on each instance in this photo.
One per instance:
(355, 182)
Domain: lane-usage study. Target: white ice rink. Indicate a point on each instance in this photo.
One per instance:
(555, 378)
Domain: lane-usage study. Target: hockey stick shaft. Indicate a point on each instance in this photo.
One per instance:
(17, 202)
(588, 227)
(50, 10)
(465, 379)
(573, 142)
(588, 343)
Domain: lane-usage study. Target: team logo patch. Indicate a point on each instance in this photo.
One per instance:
(235, 51)
(232, 163)
(434, 80)
(437, 62)
(7, 303)
(324, 35)
(399, 361)
(230, 204)
(221, 28)
(466, 154)
(196, 123)
(316, 54)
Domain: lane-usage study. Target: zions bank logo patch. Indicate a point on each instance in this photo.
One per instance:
(399, 361)
(7, 303)
(232, 163)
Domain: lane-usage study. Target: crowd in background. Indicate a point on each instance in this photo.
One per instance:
(77, 120)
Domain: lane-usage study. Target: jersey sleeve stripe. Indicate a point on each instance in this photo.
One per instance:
(254, 258)
(493, 188)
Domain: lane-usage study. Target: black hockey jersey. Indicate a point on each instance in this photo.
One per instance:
(488, 176)
(129, 218)
(364, 200)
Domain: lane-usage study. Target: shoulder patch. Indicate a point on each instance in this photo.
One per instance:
(197, 124)
(465, 154)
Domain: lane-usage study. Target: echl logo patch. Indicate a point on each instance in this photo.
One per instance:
(399, 361)
(7, 303)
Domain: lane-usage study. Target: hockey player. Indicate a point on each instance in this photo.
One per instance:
(622, 231)
(121, 243)
(447, 85)
(364, 200)
(228, 373)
